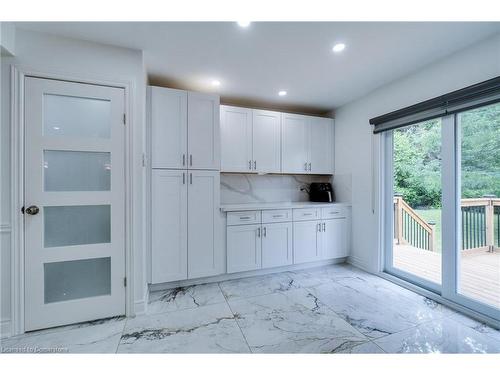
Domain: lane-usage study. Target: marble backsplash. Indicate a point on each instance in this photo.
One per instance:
(251, 188)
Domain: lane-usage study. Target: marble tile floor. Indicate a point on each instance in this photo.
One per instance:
(332, 309)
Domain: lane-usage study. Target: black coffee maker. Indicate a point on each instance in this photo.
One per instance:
(321, 192)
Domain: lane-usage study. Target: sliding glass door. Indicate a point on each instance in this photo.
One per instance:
(442, 206)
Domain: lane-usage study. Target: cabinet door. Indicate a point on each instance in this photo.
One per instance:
(236, 139)
(203, 131)
(266, 141)
(321, 145)
(204, 231)
(295, 143)
(169, 225)
(306, 245)
(334, 239)
(243, 248)
(276, 244)
(168, 119)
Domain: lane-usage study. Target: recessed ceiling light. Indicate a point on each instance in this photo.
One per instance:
(56, 128)
(339, 47)
(282, 93)
(243, 23)
(216, 83)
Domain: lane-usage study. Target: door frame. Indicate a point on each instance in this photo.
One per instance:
(17, 137)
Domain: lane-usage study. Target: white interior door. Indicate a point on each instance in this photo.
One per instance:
(266, 141)
(74, 198)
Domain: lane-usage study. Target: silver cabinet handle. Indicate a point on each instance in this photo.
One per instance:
(183, 178)
(277, 216)
(319, 227)
(258, 232)
(255, 165)
(305, 166)
(334, 212)
(307, 214)
(183, 159)
(265, 232)
(309, 166)
(250, 165)
(324, 227)
(245, 217)
(191, 159)
(191, 178)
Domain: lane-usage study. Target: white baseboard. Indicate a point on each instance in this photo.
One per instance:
(240, 275)
(358, 263)
(5, 328)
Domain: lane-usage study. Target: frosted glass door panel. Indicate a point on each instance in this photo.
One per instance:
(76, 279)
(77, 171)
(77, 225)
(76, 116)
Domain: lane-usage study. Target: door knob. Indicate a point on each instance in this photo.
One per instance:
(32, 210)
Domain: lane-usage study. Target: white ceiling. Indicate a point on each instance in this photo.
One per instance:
(254, 63)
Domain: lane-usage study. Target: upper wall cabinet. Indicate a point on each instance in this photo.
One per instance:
(251, 140)
(168, 116)
(307, 144)
(184, 129)
(236, 139)
(203, 131)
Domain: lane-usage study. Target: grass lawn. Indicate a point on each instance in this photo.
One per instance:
(434, 215)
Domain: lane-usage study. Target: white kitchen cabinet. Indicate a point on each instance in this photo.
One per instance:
(276, 244)
(306, 241)
(167, 109)
(322, 145)
(334, 238)
(205, 254)
(244, 248)
(185, 129)
(307, 144)
(169, 226)
(236, 139)
(295, 143)
(266, 141)
(203, 131)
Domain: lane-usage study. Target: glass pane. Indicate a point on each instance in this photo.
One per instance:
(75, 279)
(77, 171)
(76, 117)
(417, 200)
(76, 225)
(479, 254)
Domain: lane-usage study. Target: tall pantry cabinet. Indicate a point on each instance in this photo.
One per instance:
(185, 185)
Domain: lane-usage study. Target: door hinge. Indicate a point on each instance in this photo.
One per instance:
(125, 282)
(143, 160)
(124, 119)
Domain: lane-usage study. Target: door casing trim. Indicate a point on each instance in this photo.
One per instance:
(18, 75)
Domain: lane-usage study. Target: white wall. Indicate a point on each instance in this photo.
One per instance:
(354, 153)
(75, 58)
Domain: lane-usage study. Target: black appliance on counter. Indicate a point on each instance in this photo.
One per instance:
(321, 192)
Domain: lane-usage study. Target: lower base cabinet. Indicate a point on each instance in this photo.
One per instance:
(277, 244)
(244, 248)
(334, 238)
(306, 241)
(185, 220)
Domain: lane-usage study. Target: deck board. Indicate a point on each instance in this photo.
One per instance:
(479, 275)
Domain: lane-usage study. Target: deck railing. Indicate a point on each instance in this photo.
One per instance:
(480, 225)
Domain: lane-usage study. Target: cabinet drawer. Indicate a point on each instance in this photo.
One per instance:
(276, 216)
(243, 217)
(332, 212)
(301, 214)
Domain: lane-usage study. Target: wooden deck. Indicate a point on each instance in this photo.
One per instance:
(479, 270)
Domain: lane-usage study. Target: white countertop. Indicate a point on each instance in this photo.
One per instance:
(277, 205)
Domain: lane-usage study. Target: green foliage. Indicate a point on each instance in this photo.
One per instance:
(417, 158)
